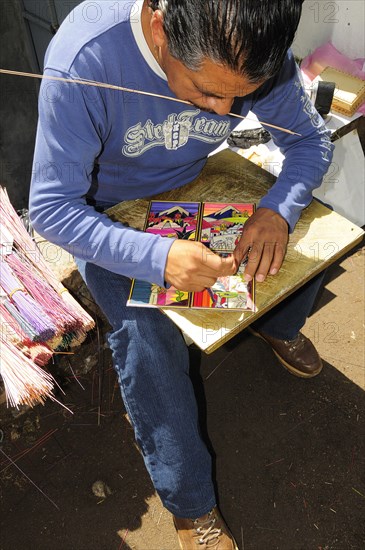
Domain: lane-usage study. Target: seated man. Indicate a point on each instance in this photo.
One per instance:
(96, 147)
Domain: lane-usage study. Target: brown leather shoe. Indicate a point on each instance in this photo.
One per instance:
(206, 533)
(299, 356)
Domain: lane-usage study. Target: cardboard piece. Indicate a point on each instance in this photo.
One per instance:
(349, 92)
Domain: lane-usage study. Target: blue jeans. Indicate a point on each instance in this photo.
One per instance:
(152, 363)
(286, 319)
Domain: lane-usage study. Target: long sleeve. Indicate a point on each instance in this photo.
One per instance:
(284, 102)
(71, 131)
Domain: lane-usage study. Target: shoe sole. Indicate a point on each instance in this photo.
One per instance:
(181, 548)
(285, 364)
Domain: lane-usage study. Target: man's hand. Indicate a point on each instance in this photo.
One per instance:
(263, 241)
(191, 266)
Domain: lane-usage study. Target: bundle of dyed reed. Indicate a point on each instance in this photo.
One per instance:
(37, 314)
(27, 248)
(11, 331)
(25, 382)
(41, 326)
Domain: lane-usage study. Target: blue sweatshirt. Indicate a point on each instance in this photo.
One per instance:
(102, 146)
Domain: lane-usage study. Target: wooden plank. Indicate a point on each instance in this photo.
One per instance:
(321, 237)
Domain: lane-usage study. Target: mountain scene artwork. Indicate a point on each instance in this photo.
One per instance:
(216, 225)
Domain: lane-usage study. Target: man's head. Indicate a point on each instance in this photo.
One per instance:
(249, 37)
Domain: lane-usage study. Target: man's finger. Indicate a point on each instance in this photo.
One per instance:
(253, 260)
(242, 250)
(265, 262)
(279, 254)
(229, 266)
(220, 266)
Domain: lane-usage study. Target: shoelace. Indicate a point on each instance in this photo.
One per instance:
(208, 534)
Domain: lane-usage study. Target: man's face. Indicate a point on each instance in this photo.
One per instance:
(212, 88)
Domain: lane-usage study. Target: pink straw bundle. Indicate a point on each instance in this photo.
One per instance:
(37, 314)
(51, 302)
(25, 382)
(27, 248)
(42, 326)
(13, 332)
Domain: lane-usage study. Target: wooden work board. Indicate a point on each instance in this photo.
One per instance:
(321, 236)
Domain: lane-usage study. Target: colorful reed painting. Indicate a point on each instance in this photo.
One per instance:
(221, 227)
(216, 225)
(174, 220)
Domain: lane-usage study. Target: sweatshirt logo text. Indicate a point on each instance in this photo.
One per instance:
(174, 132)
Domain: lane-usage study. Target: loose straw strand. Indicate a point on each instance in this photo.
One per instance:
(130, 90)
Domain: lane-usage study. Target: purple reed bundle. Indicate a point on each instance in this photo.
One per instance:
(26, 327)
(27, 248)
(43, 294)
(13, 332)
(37, 314)
(43, 326)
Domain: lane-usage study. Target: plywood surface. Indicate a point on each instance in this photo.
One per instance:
(320, 237)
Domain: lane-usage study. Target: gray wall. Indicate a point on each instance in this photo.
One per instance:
(23, 44)
(43, 19)
(18, 106)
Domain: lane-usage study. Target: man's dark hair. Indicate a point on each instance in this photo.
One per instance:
(251, 37)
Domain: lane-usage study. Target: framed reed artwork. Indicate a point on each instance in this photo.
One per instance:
(218, 226)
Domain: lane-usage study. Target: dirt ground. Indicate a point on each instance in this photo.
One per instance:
(288, 453)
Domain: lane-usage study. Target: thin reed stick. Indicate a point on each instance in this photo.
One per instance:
(132, 91)
(28, 478)
(41, 441)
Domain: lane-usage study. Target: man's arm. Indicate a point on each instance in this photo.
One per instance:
(283, 101)
(69, 138)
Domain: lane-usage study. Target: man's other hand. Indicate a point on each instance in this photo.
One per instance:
(263, 243)
(191, 266)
